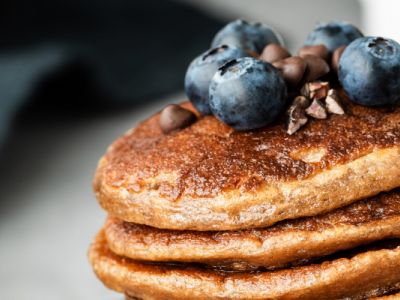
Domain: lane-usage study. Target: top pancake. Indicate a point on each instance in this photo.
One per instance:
(210, 177)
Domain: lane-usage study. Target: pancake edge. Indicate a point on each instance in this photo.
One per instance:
(365, 273)
(247, 251)
(275, 201)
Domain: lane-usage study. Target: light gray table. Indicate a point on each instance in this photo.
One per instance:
(49, 214)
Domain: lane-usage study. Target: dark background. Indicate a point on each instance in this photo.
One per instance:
(73, 76)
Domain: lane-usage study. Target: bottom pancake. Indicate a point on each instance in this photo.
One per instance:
(395, 296)
(389, 297)
(291, 241)
(358, 275)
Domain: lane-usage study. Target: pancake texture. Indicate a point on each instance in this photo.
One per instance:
(389, 297)
(358, 276)
(208, 177)
(287, 242)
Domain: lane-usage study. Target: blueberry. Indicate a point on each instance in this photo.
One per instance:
(369, 71)
(247, 93)
(333, 35)
(202, 69)
(248, 36)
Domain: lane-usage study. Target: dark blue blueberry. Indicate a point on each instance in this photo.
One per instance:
(333, 35)
(369, 71)
(202, 69)
(248, 36)
(247, 93)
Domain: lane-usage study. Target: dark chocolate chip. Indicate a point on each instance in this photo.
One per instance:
(336, 57)
(292, 69)
(318, 50)
(316, 68)
(273, 53)
(174, 117)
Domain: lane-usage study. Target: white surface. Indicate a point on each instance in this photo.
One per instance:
(49, 214)
(381, 18)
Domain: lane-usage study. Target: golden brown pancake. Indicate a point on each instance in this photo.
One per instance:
(389, 297)
(291, 241)
(359, 275)
(210, 177)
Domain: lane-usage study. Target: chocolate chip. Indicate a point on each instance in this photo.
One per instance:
(318, 50)
(316, 67)
(296, 115)
(292, 69)
(273, 53)
(336, 57)
(175, 117)
(317, 110)
(333, 105)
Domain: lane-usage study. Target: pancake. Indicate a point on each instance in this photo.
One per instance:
(367, 273)
(389, 297)
(210, 177)
(287, 242)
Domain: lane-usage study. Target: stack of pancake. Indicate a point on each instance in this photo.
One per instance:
(207, 212)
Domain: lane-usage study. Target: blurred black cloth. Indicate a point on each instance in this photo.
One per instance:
(75, 56)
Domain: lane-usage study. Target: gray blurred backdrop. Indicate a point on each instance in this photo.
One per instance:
(49, 150)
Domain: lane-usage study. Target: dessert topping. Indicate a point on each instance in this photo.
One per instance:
(316, 67)
(317, 110)
(317, 50)
(370, 71)
(336, 57)
(247, 93)
(296, 114)
(332, 102)
(315, 90)
(292, 69)
(202, 69)
(251, 37)
(174, 117)
(274, 52)
(333, 35)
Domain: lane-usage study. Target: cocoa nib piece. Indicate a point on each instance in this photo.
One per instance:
(296, 114)
(174, 117)
(332, 102)
(315, 90)
(301, 101)
(317, 110)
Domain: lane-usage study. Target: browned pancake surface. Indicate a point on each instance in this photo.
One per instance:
(368, 273)
(290, 241)
(211, 157)
(215, 172)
